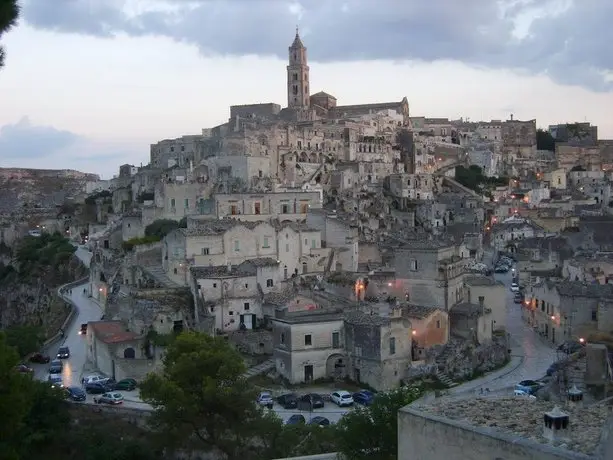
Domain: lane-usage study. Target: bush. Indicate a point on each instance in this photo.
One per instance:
(163, 227)
(129, 245)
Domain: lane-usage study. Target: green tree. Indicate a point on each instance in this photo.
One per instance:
(372, 432)
(9, 12)
(25, 339)
(202, 400)
(545, 141)
(162, 227)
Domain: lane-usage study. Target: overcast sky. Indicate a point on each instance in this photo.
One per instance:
(89, 84)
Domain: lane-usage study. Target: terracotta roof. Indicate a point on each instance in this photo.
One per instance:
(112, 331)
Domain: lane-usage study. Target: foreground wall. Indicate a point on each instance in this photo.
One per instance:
(427, 437)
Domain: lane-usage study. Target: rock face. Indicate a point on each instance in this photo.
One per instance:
(30, 301)
(466, 359)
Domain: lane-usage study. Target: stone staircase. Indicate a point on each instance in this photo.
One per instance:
(261, 368)
(444, 379)
(158, 274)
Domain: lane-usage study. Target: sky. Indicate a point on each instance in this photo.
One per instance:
(90, 84)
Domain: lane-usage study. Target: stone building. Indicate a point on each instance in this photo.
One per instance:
(494, 294)
(338, 235)
(287, 205)
(428, 272)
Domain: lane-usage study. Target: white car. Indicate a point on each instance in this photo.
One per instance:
(514, 287)
(94, 379)
(523, 394)
(341, 398)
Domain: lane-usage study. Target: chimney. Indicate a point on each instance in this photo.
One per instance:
(482, 304)
(575, 397)
(556, 425)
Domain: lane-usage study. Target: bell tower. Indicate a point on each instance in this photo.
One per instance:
(298, 75)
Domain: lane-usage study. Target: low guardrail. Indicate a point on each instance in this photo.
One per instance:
(73, 310)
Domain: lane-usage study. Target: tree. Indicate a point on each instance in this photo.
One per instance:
(9, 12)
(161, 227)
(545, 141)
(372, 432)
(25, 339)
(201, 399)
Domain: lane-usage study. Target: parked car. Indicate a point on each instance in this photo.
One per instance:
(528, 386)
(364, 397)
(523, 394)
(39, 358)
(75, 394)
(56, 367)
(555, 367)
(288, 401)
(265, 399)
(63, 353)
(320, 421)
(83, 329)
(125, 384)
(23, 369)
(94, 379)
(514, 287)
(342, 398)
(55, 380)
(109, 398)
(312, 401)
(296, 419)
(569, 347)
(518, 297)
(97, 388)
(501, 269)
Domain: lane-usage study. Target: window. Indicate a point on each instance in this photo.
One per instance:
(336, 340)
(257, 208)
(313, 244)
(413, 266)
(175, 271)
(308, 340)
(438, 324)
(284, 209)
(392, 345)
(182, 148)
(266, 244)
(295, 77)
(282, 338)
(306, 241)
(214, 285)
(237, 245)
(231, 313)
(287, 247)
(172, 203)
(246, 306)
(186, 203)
(594, 315)
(204, 251)
(172, 149)
(269, 282)
(246, 286)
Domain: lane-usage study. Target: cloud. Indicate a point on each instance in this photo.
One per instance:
(554, 37)
(27, 145)
(26, 141)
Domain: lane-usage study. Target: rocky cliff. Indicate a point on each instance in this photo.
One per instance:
(28, 286)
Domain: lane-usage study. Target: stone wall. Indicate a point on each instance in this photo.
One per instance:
(428, 437)
(464, 358)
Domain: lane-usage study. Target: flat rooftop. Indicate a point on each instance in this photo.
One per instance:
(523, 417)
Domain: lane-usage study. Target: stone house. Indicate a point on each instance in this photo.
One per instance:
(378, 348)
(263, 206)
(413, 186)
(180, 198)
(472, 321)
(309, 344)
(430, 327)
(233, 294)
(597, 267)
(241, 167)
(494, 294)
(131, 226)
(428, 272)
(505, 234)
(204, 243)
(338, 234)
(117, 352)
(567, 310)
(181, 151)
(122, 199)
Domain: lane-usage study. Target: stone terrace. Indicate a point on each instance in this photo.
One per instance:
(524, 417)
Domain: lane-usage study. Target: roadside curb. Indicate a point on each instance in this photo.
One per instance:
(74, 309)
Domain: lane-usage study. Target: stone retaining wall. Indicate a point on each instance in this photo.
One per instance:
(74, 310)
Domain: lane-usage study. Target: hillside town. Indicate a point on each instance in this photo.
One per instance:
(349, 250)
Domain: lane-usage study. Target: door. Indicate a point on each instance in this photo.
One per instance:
(356, 373)
(308, 373)
(252, 321)
(553, 335)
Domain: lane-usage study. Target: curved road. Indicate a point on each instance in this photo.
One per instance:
(87, 311)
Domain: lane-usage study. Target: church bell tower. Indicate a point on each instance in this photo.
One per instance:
(297, 76)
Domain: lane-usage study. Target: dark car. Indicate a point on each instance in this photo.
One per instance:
(364, 397)
(39, 358)
(311, 401)
(125, 384)
(83, 329)
(97, 388)
(56, 367)
(75, 394)
(63, 353)
(321, 421)
(529, 386)
(569, 347)
(23, 369)
(288, 401)
(296, 419)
